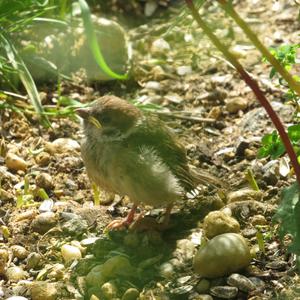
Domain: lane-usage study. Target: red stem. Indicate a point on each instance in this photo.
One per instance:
(253, 85)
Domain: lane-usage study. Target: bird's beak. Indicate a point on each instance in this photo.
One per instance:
(83, 112)
(95, 122)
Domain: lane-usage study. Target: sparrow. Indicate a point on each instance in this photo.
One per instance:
(128, 152)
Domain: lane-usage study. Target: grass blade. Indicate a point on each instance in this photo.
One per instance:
(25, 77)
(92, 40)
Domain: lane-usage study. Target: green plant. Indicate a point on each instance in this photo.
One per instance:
(289, 209)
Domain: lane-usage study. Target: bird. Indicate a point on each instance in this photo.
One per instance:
(129, 152)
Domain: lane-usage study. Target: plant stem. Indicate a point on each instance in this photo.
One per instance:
(294, 85)
(252, 84)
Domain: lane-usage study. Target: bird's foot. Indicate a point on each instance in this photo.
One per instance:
(123, 223)
(148, 223)
(118, 225)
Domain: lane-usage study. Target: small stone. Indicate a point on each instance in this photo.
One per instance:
(202, 297)
(3, 261)
(44, 222)
(153, 85)
(43, 159)
(167, 270)
(16, 298)
(182, 290)
(131, 294)
(5, 195)
(244, 195)
(203, 286)
(218, 222)
(224, 292)
(15, 163)
(277, 265)
(258, 283)
(160, 46)
(44, 291)
(184, 249)
(75, 226)
(57, 272)
(241, 282)
(16, 273)
(70, 253)
(109, 290)
(131, 240)
(19, 251)
(184, 70)
(44, 180)
(95, 277)
(258, 220)
(62, 145)
(150, 8)
(222, 255)
(33, 260)
(46, 206)
(236, 104)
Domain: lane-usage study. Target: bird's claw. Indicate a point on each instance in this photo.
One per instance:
(117, 225)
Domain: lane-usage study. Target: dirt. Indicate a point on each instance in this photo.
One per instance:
(215, 116)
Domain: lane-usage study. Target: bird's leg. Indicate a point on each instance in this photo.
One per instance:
(117, 224)
(166, 220)
(149, 223)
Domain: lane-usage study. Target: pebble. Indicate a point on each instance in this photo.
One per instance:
(241, 282)
(236, 104)
(44, 222)
(202, 297)
(57, 272)
(16, 273)
(44, 180)
(16, 298)
(75, 226)
(70, 253)
(131, 294)
(19, 251)
(184, 249)
(218, 222)
(277, 265)
(62, 145)
(33, 260)
(95, 277)
(109, 290)
(258, 220)
(258, 283)
(160, 46)
(43, 159)
(153, 85)
(203, 286)
(222, 255)
(44, 291)
(150, 8)
(3, 261)
(167, 270)
(46, 206)
(244, 195)
(184, 70)
(224, 292)
(15, 163)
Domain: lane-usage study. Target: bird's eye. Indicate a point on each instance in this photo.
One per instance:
(105, 119)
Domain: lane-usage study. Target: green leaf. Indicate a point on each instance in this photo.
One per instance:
(93, 43)
(294, 132)
(288, 216)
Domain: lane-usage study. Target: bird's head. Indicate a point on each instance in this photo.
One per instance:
(109, 116)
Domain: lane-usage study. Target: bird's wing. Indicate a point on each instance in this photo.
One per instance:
(152, 133)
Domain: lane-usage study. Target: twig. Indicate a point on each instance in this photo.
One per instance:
(183, 117)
